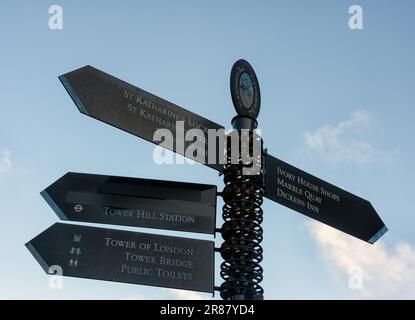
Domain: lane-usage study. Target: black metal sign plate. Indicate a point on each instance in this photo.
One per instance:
(133, 202)
(322, 201)
(123, 256)
(117, 103)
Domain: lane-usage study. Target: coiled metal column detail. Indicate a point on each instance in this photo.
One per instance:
(242, 231)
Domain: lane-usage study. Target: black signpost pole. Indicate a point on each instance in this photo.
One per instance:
(242, 215)
(243, 192)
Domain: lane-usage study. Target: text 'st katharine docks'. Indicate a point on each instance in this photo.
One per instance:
(115, 102)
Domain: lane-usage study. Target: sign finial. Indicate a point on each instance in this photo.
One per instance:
(246, 96)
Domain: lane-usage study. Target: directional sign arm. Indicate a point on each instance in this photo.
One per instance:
(124, 106)
(322, 201)
(134, 202)
(124, 256)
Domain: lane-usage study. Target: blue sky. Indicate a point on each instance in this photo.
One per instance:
(336, 102)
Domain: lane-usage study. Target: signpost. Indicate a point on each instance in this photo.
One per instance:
(184, 263)
(133, 202)
(243, 192)
(124, 256)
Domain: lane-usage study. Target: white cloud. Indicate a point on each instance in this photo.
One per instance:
(348, 141)
(176, 294)
(172, 294)
(386, 274)
(5, 162)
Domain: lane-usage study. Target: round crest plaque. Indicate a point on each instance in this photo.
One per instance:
(246, 96)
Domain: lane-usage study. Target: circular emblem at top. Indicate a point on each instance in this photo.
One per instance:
(245, 93)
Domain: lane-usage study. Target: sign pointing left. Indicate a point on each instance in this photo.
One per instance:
(124, 106)
(124, 256)
(134, 202)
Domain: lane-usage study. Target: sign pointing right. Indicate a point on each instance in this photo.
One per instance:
(322, 201)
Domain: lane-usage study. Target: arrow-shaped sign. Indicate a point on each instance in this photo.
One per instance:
(124, 256)
(117, 103)
(322, 201)
(134, 202)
